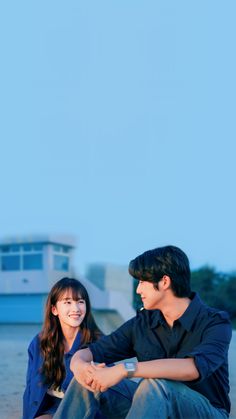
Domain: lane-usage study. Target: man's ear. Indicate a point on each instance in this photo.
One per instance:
(166, 281)
(54, 311)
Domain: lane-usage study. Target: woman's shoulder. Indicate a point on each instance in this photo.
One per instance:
(35, 343)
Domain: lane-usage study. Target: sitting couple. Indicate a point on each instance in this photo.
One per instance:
(181, 346)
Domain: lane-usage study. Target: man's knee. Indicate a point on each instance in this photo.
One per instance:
(161, 387)
(150, 399)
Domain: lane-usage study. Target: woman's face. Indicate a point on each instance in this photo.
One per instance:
(70, 312)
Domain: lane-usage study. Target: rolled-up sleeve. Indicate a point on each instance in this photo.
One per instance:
(212, 352)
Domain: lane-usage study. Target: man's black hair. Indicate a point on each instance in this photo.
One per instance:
(168, 260)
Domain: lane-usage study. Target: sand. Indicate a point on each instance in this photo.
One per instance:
(14, 341)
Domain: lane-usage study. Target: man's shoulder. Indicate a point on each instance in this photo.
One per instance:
(212, 316)
(217, 315)
(213, 312)
(203, 309)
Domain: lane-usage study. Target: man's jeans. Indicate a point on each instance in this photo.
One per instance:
(153, 398)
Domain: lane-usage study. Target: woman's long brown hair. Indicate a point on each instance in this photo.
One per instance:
(51, 337)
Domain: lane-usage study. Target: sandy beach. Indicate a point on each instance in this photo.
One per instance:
(14, 341)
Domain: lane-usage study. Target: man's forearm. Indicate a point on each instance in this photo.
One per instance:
(81, 357)
(172, 369)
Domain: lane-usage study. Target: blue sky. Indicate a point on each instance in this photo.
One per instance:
(118, 126)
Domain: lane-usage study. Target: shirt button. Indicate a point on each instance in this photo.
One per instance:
(35, 403)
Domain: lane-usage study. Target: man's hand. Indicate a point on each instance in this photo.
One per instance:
(95, 377)
(81, 367)
(105, 377)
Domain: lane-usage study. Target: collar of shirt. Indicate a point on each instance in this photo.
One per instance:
(188, 317)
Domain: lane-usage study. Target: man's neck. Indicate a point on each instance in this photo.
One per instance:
(174, 309)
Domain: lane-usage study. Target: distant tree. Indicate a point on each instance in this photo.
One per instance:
(227, 291)
(205, 280)
(215, 288)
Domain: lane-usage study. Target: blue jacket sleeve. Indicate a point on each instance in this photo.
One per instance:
(26, 396)
(35, 388)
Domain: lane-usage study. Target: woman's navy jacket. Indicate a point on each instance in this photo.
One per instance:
(35, 388)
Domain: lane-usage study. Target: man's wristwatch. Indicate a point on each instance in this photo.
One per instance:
(130, 368)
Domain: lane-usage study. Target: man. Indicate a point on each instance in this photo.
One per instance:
(180, 343)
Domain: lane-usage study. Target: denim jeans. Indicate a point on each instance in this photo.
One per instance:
(80, 403)
(167, 399)
(152, 398)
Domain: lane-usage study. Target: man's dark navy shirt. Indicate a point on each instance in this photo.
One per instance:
(202, 333)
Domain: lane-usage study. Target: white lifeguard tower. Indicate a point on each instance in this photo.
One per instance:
(29, 266)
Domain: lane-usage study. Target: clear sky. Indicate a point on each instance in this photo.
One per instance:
(118, 126)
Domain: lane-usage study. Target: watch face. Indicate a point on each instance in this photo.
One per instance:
(130, 366)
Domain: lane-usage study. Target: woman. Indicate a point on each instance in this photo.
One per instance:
(68, 325)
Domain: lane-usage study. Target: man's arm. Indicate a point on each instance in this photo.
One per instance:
(81, 367)
(172, 369)
(81, 356)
